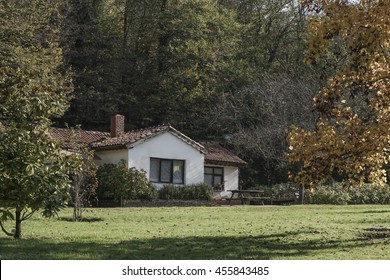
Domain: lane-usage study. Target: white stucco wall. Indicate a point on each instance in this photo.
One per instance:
(231, 178)
(168, 146)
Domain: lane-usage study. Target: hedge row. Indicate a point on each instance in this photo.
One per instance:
(338, 194)
(117, 182)
(188, 192)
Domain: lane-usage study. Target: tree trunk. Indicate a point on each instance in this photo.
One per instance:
(301, 194)
(162, 39)
(18, 225)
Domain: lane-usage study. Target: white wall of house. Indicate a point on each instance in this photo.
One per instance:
(168, 146)
(231, 179)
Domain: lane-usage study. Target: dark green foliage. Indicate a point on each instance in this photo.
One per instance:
(34, 173)
(210, 68)
(338, 194)
(148, 60)
(116, 181)
(188, 192)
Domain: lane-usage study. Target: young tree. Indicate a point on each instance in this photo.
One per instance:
(352, 135)
(84, 182)
(33, 170)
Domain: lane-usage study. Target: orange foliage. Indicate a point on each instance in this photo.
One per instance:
(345, 141)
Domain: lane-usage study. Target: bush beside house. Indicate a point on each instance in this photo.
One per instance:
(117, 182)
(188, 192)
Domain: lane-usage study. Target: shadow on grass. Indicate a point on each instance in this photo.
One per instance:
(364, 212)
(376, 211)
(84, 220)
(261, 247)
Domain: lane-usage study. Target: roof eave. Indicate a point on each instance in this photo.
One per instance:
(109, 147)
(226, 163)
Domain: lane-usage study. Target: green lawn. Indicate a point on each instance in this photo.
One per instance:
(237, 232)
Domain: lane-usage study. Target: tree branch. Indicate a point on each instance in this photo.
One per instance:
(27, 216)
(4, 230)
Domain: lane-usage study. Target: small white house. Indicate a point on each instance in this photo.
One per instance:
(165, 154)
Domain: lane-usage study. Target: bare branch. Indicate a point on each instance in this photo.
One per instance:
(4, 230)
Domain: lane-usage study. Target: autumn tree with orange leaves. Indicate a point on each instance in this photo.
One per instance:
(352, 134)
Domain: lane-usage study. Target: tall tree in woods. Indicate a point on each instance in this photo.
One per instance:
(149, 60)
(91, 40)
(351, 139)
(34, 174)
(180, 51)
(274, 34)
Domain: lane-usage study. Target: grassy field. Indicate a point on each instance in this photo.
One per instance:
(237, 232)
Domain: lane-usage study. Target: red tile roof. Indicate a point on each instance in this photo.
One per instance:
(132, 138)
(218, 155)
(69, 138)
(214, 153)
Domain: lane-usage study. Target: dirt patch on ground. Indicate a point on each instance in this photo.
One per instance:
(376, 233)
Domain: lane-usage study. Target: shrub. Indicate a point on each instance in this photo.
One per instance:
(336, 193)
(116, 181)
(327, 194)
(188, 192)
(279, 189)
(370, 194)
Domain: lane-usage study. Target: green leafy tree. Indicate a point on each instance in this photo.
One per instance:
(92, 44)
(34, 173)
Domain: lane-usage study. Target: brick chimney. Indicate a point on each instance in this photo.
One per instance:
(117, 125)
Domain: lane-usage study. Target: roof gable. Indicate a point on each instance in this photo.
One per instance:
(130, 139)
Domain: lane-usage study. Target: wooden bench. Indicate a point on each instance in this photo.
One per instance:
(284, 198)
(246, 196)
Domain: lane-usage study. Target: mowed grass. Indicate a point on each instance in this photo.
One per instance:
(237, 232)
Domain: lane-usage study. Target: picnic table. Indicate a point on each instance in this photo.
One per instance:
(246, 196)
(249, 195)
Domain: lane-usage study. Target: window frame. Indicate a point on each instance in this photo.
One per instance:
(215, 174)
(171, 177)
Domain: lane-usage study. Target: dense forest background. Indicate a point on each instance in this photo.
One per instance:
(227, 70)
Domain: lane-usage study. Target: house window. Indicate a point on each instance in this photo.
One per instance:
(166, 171)
(213, 176)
